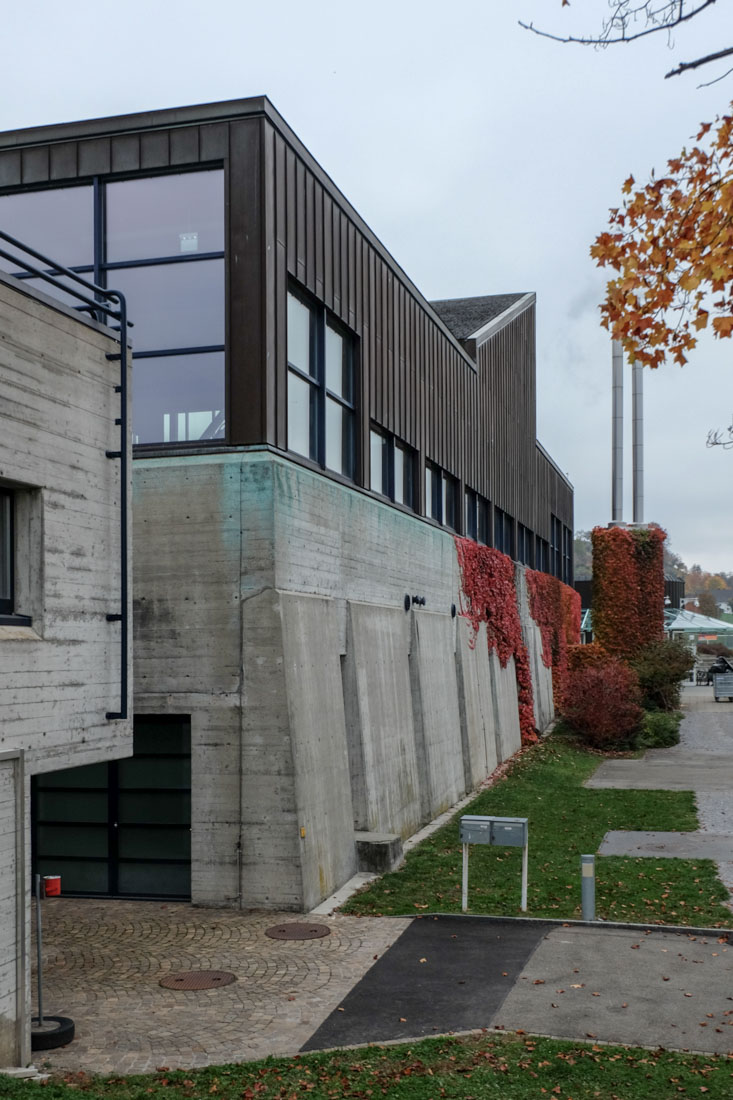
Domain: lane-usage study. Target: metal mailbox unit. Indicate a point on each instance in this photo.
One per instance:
(506, 832)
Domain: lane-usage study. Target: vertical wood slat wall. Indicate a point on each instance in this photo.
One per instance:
(476, 421)
(479, 424)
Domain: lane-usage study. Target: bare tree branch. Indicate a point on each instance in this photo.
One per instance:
(685, 65)
(671, 14)
(709, 83)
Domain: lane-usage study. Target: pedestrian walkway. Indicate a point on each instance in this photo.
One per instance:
(104, 961)
(703, 763)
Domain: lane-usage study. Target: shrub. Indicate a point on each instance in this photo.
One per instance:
(658, 730)
(602, 703)
(661, 667)
(715, 649)
(585, 656)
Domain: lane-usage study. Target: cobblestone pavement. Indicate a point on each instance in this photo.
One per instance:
(103, 961)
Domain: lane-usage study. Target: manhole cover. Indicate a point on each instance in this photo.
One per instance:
(294, 931)
(198, 979)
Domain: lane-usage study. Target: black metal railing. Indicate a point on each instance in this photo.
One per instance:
(100, 303)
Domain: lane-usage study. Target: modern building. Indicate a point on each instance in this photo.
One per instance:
(64, 648)
(310, 435)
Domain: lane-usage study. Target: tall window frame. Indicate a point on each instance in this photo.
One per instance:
(7, 552)
(442, 496)
(169, 358)
(321, 386)
(392, 465)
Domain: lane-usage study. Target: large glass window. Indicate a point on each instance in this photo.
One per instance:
(160, 241)
(321, 387)
(165, 216)
(58, 223)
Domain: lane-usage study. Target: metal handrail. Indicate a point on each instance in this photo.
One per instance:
(112, 304)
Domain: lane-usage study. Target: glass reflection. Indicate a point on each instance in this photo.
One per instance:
(299, 328)
(165, 216)
(178, 398)
(173, 305)
(58, 223)
(337, 373)
(299, 414)
(377, 446)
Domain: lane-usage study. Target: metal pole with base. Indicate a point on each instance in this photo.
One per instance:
(47, 1032)
(464, 896)
(588, 887)
(39, 950)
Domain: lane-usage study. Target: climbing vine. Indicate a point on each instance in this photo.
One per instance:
(628, 588)
(555, 607)
(489, 595)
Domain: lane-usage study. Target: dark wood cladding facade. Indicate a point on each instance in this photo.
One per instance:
(288, 224)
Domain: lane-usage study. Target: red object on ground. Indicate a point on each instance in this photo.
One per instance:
(51, 886)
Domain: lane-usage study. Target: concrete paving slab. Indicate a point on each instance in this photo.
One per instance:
(691, 772)
(652, 989)
(443, 974)
(670, 845)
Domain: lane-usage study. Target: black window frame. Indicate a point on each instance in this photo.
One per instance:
(7, 549)
(101, 272)
(320, 319)
(477, 517)
(444, 505)
(9, 615)
(388, 488)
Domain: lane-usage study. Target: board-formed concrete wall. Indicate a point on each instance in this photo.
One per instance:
(270, 606)
(60, 673)
(544, 706)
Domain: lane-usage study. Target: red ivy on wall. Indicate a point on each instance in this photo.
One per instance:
(489, 595)
(555, 607)
(628, 587)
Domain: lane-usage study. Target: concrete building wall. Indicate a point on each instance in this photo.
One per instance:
(60, 672)
(319, 705)
(544, 705)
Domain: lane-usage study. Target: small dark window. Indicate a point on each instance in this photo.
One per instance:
(7, 551)
(477, 517)
(441, 496)
(484, 521)
(392, 468)
(525, 546)
(321, 388)
(470, 528)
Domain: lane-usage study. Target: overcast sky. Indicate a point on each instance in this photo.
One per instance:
(484, 158)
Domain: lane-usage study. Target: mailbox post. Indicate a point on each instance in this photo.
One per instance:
(507, 832)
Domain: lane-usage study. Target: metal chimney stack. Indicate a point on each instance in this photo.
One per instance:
(617, 445)
(637, 440)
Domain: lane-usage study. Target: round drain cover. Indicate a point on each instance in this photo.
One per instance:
(198, 979)
(294, 931)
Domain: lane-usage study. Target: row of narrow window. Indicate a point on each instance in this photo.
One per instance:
(322, 427)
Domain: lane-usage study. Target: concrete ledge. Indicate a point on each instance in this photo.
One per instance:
(378, 852)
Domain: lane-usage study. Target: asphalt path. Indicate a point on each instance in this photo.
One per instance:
(444, 973)
(602, 982)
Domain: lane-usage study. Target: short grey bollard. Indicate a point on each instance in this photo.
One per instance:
(588, 886)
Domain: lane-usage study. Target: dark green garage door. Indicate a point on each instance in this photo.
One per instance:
(124, 828)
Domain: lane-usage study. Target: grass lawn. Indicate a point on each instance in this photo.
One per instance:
(565, 821)
(499, 1067)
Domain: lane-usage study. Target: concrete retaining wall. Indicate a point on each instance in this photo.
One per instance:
(335, 709)
(59, 656)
